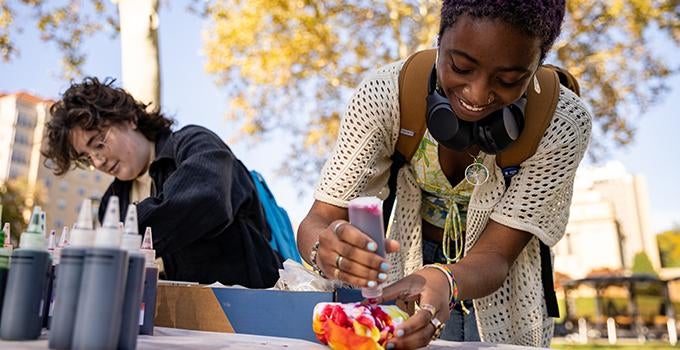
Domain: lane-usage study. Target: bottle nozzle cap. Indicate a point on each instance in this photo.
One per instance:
(63, 239)
(131, 220)
(83, 234)
(43, 223)
(34, 224)
(147, 243)
(8, 235)
(109, 235)
(85, 215)
(51, 243)
(112, 215)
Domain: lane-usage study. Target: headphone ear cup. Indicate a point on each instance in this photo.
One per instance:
(445, 126)
(500, 129)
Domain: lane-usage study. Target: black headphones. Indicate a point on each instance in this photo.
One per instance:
(492, 134)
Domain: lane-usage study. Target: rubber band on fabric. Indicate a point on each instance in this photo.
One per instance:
(453, 286)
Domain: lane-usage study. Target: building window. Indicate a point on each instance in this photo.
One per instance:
(18, 157)
(25, 121)
(63, 186)
(59, 223)
(61, 204)
(48, 182)
(21, 139)
(81, 191)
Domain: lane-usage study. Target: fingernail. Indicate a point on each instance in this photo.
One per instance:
(372, 246)
(385, 266)
(382, 276)
(400, 332)
(372, 284)
(390, 346)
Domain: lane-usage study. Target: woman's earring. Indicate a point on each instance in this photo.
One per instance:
(537, 86)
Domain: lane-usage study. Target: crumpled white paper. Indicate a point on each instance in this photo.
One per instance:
(296, 277)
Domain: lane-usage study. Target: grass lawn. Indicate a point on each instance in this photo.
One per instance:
(648, 345)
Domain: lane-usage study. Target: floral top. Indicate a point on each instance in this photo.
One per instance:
(442, 205)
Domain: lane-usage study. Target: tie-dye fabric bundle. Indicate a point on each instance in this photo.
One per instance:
(356, 326)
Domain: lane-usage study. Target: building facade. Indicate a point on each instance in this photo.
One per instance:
(22, 125)
(608, 222)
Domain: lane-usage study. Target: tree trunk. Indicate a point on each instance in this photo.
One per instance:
(139, 50)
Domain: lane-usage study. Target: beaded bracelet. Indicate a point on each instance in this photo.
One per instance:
(453, 286)
(312, 259)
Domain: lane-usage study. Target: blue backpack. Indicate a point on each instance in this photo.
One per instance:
(283, 239)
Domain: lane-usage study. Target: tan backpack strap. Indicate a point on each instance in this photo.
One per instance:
(537, 116)
(566, 78)
(413, 80)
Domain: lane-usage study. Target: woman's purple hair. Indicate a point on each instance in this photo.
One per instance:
(537, 18)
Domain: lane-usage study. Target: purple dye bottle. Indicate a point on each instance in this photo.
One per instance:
(365, 213)
(148, 307)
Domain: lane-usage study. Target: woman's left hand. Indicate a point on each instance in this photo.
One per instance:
(429, 287)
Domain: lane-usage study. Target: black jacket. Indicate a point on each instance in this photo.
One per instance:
(208, 224)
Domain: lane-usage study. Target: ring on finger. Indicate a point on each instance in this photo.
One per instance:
(429, 308)
(338, 261)
(438, 327)
(336, 274)
(336, 226)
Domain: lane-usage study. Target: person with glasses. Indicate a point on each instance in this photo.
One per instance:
(188, 186)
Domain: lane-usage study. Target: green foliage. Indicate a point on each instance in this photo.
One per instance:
(669, 248)
(291, 63)
(17, 204)
(642, 264)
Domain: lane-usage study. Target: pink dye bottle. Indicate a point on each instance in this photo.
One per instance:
(365, 213)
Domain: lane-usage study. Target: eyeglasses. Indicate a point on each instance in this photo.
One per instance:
(99, 144)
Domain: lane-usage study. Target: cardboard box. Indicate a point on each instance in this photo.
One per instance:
(190, 307)
(252, 311)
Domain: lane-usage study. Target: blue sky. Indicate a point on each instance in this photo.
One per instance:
(191, 97)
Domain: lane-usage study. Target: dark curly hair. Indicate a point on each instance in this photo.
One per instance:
(93, 105)
(537, 18)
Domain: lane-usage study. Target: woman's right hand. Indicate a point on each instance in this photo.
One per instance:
(347, 254)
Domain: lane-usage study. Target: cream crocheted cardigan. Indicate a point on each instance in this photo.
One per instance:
(537, 200)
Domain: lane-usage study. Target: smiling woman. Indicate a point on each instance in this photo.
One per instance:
(189, 187)
(466, 245)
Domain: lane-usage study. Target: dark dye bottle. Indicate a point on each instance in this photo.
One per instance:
(23, 305)
(102, 288)
(5, 254)
(70, 271)
(148, 308)
(49, 290)
(134, 286)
